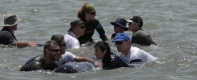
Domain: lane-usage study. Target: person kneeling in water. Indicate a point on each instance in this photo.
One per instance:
(109, 59)
(45, 61)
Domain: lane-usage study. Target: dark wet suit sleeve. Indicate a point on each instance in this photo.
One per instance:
(101, 31)
(6, 38)
(144, 40)
(116, 62)
(33, 65)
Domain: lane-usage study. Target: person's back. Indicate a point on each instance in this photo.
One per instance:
(71, 41)
(141, 37)
(66, 58)
(6, 37)
(136, 55)
(114, 62)
(89, 32)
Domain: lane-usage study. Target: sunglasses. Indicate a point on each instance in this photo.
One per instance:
(64, 44)
(55, 50)
(132, 23)
(119, 42)
(92, 13)
(82, 27)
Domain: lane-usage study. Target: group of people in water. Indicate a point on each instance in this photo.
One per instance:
(81, 31)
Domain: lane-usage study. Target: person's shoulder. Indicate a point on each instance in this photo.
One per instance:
(134, 48)
(140, 33)
(4, 33)
(96, 20)
(67, 53)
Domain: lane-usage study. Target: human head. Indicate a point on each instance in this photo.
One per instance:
(51, 50)
(122, 42)
(61, 42)
(10, 21)
(77, 27)
(102, 50)
(135, 23)
(119, 25)
(87, 11)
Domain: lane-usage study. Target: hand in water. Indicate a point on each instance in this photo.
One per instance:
(96, 63)
(32, 44)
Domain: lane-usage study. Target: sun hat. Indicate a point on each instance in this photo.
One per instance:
(75, 23)
(120, 22)
(10, 20)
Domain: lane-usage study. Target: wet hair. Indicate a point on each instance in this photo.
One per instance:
(102, 45)
(81, 12)
(57, 38)
(48, 45)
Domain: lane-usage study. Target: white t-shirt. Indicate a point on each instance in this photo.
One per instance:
(71, 40)
(136, 54)
(66, 57)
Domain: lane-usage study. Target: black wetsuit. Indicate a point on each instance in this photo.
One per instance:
(141, 37)
(37, 63)
(113, 62)
(7, 37)
(90, 27)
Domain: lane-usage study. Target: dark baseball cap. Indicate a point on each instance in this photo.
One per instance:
(136, 19)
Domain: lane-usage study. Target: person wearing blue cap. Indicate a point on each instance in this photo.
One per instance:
(119, 27)
(130, 53)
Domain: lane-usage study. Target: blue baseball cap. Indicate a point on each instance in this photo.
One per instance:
(121, 37)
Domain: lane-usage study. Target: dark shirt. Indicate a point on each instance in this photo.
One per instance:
(7, 37)
(141, 37)
(37, 63)
(90, 27)
(113, 35)
(114, 62)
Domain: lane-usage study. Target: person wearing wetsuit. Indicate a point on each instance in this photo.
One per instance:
(7, 36)
(109, 59)
(139, 35)
(87, 14)
(45, 61)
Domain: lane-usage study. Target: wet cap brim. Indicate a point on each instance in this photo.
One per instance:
(129, 20)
